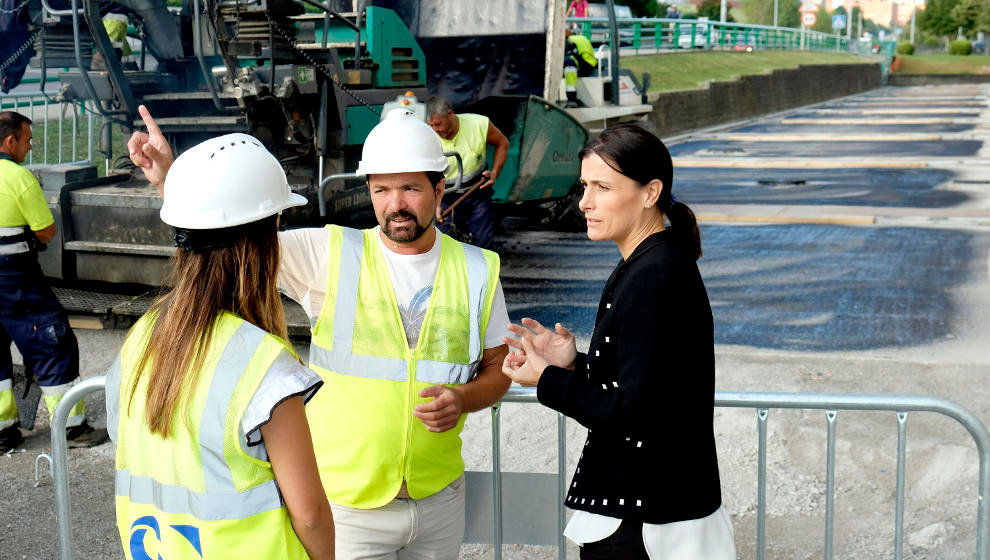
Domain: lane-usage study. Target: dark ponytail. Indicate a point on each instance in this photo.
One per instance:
(684, 226)
(638, 154)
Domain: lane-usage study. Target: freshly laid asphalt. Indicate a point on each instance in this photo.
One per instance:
(822, 150)
(865, 187)
(815, 259)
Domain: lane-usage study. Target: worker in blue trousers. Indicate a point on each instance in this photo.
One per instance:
(469, 135)
(30, 315)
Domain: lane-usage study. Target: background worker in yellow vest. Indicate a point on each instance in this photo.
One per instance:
(205, 401)
(30, 315)
(407, 328)
(579, 61)
(469, 135)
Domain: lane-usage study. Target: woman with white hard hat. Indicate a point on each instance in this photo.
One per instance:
(205, 401)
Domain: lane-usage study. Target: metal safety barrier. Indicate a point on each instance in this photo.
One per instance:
(652, 35)
(50, 127)
(60, 461)
(831, 404)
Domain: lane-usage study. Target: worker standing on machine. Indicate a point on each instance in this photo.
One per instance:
(579, 62)
(30, 315)
(407, 328)
(469, 135)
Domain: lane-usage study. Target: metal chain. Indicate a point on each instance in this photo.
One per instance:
(324, 68)
(27, 44)
(15, 10)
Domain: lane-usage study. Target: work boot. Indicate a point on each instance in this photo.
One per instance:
(85, 435)
(572, 101)
(10, 438)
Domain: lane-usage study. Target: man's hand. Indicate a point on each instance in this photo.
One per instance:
(556, 347)
(150, 151)
(443, 412)
(489, 179)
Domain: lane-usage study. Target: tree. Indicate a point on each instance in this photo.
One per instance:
(712, 9)
(983, 21)
(761, 12)
(971, 15)
(823, 21)
(937, 18)
(643, 8)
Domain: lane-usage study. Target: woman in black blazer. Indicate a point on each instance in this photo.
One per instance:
(647, 483)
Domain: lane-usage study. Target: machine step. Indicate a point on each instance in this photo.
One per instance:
(119, 248)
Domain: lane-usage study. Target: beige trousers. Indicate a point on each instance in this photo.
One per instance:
(404, 529)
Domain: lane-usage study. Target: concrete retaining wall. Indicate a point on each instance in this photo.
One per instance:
(751, 96)
(937, 79)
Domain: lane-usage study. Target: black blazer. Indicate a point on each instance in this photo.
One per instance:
(645, 391)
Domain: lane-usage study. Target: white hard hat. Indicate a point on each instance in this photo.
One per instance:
(399, 144)
(226, 181)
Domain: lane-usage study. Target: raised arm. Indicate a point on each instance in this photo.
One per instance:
(501, 143)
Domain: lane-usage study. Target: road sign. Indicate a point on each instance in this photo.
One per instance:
(839, 21)
(808, 19)
(809, 7)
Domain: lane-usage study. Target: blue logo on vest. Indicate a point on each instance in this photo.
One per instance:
(140, 528)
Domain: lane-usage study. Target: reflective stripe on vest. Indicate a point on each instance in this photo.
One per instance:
(340, 359)
(373, 378)
(13, 247)
(202, 477)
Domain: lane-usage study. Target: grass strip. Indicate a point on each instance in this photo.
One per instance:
(680, 71)
(943, 64)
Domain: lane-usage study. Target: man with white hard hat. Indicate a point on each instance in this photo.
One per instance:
(407, 328)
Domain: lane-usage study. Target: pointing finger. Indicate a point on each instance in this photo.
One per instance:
(149, 122)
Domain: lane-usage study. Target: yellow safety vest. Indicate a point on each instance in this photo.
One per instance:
(584, 49)
(201, 493)
(366, 438)
(471, 142)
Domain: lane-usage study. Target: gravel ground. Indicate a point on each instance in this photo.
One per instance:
(941, 475)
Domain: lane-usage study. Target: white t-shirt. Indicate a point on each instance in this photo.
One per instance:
(303, 277)
(286, 378)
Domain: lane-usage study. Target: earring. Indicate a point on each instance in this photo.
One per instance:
(648, 205)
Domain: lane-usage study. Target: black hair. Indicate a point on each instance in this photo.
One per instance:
(434, 177)
(637, 153)
(10, 125)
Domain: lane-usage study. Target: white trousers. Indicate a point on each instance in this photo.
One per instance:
(403, 529)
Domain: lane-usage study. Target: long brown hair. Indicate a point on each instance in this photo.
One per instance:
(239, 278)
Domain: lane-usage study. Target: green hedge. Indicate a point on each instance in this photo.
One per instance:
(931, 43)
(961, 46)
(905, 47)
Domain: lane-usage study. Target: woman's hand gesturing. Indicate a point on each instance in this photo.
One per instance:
(538, 347)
